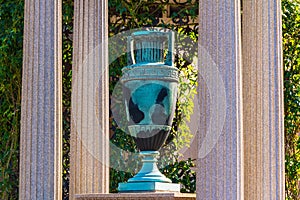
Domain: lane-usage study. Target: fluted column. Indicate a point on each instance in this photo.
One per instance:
(41, 116)
(90, 99)
(220, 150)
(263, 100)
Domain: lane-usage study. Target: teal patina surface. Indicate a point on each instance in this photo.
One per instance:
(150, 84)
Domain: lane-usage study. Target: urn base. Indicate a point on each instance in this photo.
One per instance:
(149, 178)
(148, 187)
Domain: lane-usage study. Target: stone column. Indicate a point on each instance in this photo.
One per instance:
(263, 100)
(41, 116)
(90, 99)
(220, 151)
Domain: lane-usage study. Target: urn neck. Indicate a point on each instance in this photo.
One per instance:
(150, 47)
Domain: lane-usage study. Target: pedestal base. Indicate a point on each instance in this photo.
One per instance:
(149, 171)
(137, 196)
(148, 187)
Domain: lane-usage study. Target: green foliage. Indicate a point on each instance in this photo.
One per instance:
(68, 8)
(11, 36)
(181, 172)
(181, 134)
(127, 15)
(291, 60)
(125, 144)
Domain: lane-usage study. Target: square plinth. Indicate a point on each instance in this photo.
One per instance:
(137, 196)
(148, 187)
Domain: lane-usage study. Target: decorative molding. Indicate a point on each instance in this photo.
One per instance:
(163, 72)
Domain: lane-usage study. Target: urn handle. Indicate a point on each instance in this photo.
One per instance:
(150, 47)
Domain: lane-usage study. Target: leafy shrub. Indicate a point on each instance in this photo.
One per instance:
(11, 40)
(291, 60)
(68, 9)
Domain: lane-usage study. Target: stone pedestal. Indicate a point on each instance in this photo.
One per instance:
(149, 187)
(137, 196)
(41, 111)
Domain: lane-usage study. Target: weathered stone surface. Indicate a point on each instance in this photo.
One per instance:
(263, 100)
(220, 151)
(41, 114)
(89, 172)
(138, 196)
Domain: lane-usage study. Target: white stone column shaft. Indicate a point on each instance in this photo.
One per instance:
(263, 100)
(41, 114)
(220, 148)
(90, 99)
